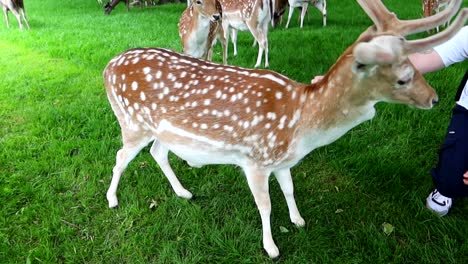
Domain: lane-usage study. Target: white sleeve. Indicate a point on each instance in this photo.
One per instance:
(455, 49)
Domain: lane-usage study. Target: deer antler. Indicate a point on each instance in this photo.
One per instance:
(387, 22)
(412, 46)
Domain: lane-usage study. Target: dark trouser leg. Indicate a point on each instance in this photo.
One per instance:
(453, 157)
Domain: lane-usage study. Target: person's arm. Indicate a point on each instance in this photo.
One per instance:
(426, 61)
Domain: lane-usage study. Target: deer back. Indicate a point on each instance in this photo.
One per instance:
(203, 105)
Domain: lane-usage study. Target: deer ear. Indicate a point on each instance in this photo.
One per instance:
(370, 53)
(382, 50)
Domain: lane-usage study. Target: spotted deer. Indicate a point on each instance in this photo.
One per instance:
(279, 8)
(321, 5)
(431, 7)
(17, 8)
(260, 120)
(252, 15)
(200, 27)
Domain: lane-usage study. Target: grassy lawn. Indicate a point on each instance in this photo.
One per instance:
(58, 139)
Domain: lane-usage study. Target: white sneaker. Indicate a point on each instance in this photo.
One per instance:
(438, 203)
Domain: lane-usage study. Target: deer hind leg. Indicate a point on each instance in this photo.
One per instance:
(18, 17)
(132, 145)
(234, 40)
(258, 183)
(291, 11)
(285, 181)
(159, 153)
(260, 35)
(322, 8)
(23, 14)
(324, 13)
(5, 12)
(304, 12)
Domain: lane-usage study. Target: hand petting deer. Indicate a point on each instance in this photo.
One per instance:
(200, 27)
(260, 120)
(17, 8)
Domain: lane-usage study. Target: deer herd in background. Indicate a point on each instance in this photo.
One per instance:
(205, 22)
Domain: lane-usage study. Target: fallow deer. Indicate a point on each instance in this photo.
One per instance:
(260, 120)
(17, 8)
(431, 7)
(252, 15)
(200, 27)
(109, 6)
(321, 5)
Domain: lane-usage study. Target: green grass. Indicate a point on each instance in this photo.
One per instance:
(58, 139)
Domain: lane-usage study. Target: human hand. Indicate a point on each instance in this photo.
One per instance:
(316, 79)
(465, 178)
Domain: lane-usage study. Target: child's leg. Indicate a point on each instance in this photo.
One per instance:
(449, 174)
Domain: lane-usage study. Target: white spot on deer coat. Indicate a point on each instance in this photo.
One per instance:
(134, 85)
(279, 95)
(158, 74)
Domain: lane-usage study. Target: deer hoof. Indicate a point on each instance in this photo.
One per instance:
(113, 202)
(272, 251)
(184, 194)
(298, 221)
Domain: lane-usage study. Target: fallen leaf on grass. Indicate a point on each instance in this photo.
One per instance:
(388, 228)
(283, 229)
(153, 204)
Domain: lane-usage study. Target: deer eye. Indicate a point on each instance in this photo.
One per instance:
(360, 66)
(199, 2)
(402, 82)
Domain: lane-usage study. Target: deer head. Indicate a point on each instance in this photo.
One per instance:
(378, 62)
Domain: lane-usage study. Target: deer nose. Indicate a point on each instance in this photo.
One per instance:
(435, 101)
(216, 17)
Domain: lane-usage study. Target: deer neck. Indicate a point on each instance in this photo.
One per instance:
(333, 106)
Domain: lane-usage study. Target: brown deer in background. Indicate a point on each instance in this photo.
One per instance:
(17, 8)
(200, 27)
(260, 120)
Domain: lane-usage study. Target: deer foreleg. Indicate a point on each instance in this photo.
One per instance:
(285, 181)
(223, 41)
(258, 183)
(159, 153)
(5, 11)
